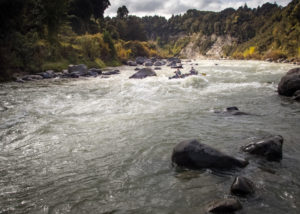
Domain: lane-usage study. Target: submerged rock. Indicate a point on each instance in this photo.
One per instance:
(224, 206)
(235, 111)
(270, 148)
(290, 83)
(194, 155)
(143, 73)
(232, 111)
(181, 76)
(242, 186)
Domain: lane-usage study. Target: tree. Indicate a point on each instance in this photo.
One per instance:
(54, 15)
(81, 12)
(122, 12)
(99, 6)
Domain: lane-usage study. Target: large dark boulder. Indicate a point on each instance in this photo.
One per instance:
(143, 73)
(270, 148)
(174, 59)
(229, 205)
(194, 155)
(242, 186)
(158, 63)
(289, 83)
(140, 60)
(79, 70)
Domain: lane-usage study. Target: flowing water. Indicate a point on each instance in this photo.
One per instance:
(99, 145)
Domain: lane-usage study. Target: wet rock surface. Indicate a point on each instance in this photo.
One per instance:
(270, 148)
(143, 73)
(242, 186)
(233, 110)
(290, 83)
(224, 206)
(194, 155)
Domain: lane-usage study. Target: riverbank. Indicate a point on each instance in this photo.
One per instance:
(154, 63)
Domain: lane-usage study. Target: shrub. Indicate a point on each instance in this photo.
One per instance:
(274, 54)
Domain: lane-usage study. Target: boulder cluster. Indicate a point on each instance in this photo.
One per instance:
(73, 71)
(154, 61)
(192, 154)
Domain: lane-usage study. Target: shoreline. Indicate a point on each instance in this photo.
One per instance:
(22, 77)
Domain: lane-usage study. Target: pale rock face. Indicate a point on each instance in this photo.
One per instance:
(193, 48)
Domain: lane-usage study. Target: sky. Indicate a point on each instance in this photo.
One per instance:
(168, 7)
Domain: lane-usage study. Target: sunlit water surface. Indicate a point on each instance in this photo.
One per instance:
(95, 145)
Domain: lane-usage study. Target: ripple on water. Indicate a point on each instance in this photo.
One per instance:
(104, 145)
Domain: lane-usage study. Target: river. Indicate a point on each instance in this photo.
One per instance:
(97, 145)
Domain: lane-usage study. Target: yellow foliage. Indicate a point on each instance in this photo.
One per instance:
(122, 53)
(249, 52)
(238, 55)
(92, 46)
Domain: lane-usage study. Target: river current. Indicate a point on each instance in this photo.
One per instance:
(104, 145)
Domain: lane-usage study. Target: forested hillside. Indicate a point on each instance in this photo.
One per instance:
(37, 35)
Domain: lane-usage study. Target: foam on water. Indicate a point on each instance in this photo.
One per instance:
(103, 145)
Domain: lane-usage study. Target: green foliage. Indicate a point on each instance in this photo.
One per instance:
(39, 34)
(122, 12)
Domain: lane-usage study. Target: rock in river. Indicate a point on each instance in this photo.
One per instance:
(143, 73)
(232, 111)
(224, 206)
(296, 95)
(289, 83)
(194, 155)
(140, 60)
(32, 77)
(148, 63)
(242, 186)
(271, 148)
(107, 73)
(131, 63)
(78, 69)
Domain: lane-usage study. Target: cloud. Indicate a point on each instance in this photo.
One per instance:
(169, 7)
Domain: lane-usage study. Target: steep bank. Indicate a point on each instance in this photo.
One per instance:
(201, 46)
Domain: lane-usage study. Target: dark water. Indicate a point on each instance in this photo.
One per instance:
(104, 145)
